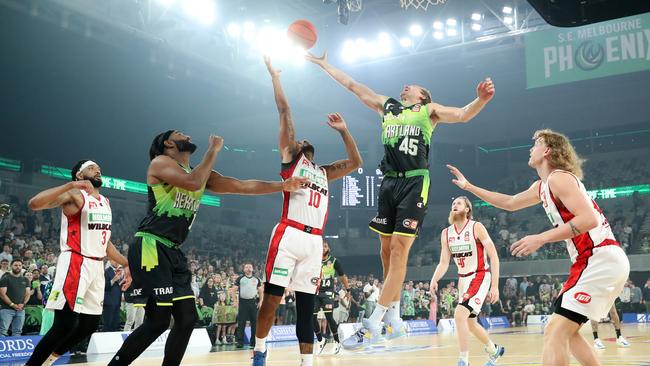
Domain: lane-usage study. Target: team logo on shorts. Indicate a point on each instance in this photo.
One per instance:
(477, 300)
(410, 223)
(583, 297)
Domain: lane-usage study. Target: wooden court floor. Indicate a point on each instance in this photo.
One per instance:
(523, 347)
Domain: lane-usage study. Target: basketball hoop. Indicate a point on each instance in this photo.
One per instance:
(355, 5)
(420, 4)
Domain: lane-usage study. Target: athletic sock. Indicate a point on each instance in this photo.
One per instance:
(336, 337)
(491, 347)
(618, 333)
(319, 336)
(306, 360)
(392, 313)
(377, 315)
(260, 344)
(595, 335)
(465, 357)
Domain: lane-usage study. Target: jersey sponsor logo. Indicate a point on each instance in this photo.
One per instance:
(582, 297)
(185, 202)
(163, 290)
(94, 226)
(280, 271)
(100, 217)
(459, 248)
(317, 179)
(380, 220)
(410, 223)
(79, 300)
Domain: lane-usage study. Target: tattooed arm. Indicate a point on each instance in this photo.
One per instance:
(287, 142)
(340, 168)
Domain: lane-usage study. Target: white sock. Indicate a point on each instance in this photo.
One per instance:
(50, 360)
(260, 344)
(306, 360)
(392, 313)
(464, 356)
(491, 347)
(377, 315)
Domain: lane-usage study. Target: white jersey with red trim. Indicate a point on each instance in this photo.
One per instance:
(582, 244)
(466, 250)
(307, 206)
(89, 230)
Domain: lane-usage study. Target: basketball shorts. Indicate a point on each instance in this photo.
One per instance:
(159, 270)
(402, 205)
(594, 283)
(294, 259)
(325, 301)
(79, 281)
(472, 291)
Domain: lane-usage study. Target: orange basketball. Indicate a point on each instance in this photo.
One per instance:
(303, 33)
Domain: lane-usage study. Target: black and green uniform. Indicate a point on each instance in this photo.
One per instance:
(158, 266)
(325, 299)
(406, 136)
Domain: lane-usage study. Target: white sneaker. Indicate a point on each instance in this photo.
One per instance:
(319, 346)
(337, 348)
(598, 344)
(622, 342)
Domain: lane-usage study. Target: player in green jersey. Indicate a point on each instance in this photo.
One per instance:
(161, 275)
(407, 126)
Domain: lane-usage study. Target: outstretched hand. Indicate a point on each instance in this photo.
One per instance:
(272, 71)
(294, 183)
(460, 179)
(322, 60)
(337, 122)
(485, 90)
(126, 281)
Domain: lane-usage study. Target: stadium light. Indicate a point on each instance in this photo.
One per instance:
(384, 44)
(234, 30)
(507, 20)
(415, 30)
(507, 10)
(438, 35)
(437, 25)
(201, 10)
(451, 32)
(248, 32)
(476, 27)
(406, 42)
(451, 22)
(477, 17)
(350, 52)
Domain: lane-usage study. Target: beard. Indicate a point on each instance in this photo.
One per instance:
(184, 145)
(16, 271)
(455, 216)
(96, 182)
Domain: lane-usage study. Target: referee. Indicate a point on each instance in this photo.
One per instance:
(249, 288)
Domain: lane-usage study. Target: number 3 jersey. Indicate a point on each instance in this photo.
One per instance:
(406, 136)
(89, 230)
(466, 250)
(307, 206)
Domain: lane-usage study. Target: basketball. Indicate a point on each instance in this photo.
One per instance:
(303, 33)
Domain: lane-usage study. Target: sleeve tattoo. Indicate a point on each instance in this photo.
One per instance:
(574, 229)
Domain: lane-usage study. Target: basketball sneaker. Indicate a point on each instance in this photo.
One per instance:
(494, 356)
(397, 329)
(622, 342)
(259, 358)
(319, 346)
(462, 363)
(366, 335)
(337, 348)
(598, 344)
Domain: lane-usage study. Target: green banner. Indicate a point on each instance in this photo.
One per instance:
(120, 184)
(564, 55)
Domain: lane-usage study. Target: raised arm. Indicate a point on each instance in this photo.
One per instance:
(443, 263)
(368, 96)
(491, 250)
(340, 168)
(218, 183)
(506, 202)
(66, 196)
(287, 142)
(440, 113)
(165, 169)
(565, 188)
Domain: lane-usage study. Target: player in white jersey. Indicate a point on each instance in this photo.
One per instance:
(470, 246)
(296, 247)
(77, 294)
(600, 267)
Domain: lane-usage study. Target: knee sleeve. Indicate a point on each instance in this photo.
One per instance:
(304, 317)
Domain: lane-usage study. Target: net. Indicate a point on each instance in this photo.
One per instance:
(420, 4)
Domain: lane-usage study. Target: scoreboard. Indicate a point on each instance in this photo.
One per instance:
(360, 189)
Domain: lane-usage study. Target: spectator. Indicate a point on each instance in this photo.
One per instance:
(112, 298)
(355, 305)
(523, 286)
(545, 291)
(342, 312)
(636, 297)
(626, 297)
(371, 292)
(4, 266)
(36, 296)
(250, 291)
(208, 295)
(134, 314)
(290, 300)
(6, 254)
(14, 293)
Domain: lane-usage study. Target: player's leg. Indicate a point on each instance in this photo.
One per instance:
(582, 350)
(185, 317)
(85, 326)
(557, 333)
(616, 321)
(598, 344)
(64, 320)
(305, 326)
(461, 316)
